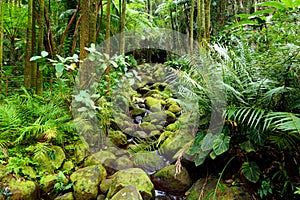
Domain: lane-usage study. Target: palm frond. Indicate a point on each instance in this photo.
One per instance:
(286, 122)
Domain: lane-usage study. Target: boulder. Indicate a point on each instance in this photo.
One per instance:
(127, 193)
(67, 196)
(170, 117)
(148, 161)
(135, 177)
(23, 190)
(148, 127)
(99, 158)
(68, 166)
(47, 183)
(81, 151)
(227, 193)
(138, 111)
(104, 186)
(167, 180)
(153, 104)
(174, 108)
(118, 138)
(86, 181)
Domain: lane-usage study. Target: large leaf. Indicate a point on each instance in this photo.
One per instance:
(251, 171)
(208, 142)
(221, 144)
(272, 4)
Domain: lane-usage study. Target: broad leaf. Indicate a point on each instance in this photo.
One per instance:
(221, 144)
(34, 58)
(44, 54)
(251, 171)
(208, 142)
(59, 67)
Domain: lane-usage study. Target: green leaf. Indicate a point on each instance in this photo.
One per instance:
(200, 158)
(221, 144)
(44, 54)
(59, 67)
(34, 58)
(208, 142)
(251, 171)
(247, 146)
(273, 4)
(196, 147)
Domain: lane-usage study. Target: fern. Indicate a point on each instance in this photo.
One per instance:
(286, 122)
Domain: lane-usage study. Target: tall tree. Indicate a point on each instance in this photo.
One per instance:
(33, 70)
(41, 24)
(192, 26)
(107, 34)
(27, 69)
(122, 34)
(1, 42)
(84, 27)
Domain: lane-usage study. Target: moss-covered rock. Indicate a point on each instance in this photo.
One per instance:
(29, 171)
(160, 86)
(132, 177)
(170, 117)
(173, 127)
(148, 127)
(153, 104)
(81, 151)
(127, 193)
(153, 93)
(140, 134)
(174, 108)
(228, 193)
(104, 186)
(118, 138)
(166, 179)
(159, 116)
(47, 183)
(68, 166)
(123, 163)
(148, 161)
(23, 190)
(99, 158)
(86, 181)
(138, 111)
(48, 164)
(67, 196)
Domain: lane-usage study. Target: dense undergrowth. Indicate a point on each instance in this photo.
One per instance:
(261, 78)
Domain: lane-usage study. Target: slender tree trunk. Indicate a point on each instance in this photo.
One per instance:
(84, 28)
(192, 27)
(1, 43)
(27, 69)
(122, 34)
(107, 34)
(207, 20)
(34, 52)
(199, 20)
(93, 22)
(41, 23)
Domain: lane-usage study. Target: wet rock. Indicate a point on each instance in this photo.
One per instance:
(228, 193)
(99, 158)
(132, 177)
(86, 181)
(123, 163)
(118, 138)
(166, 179)
(23, 190)
(81, 151)
(160, 86)
(127, 193)
(67, 196)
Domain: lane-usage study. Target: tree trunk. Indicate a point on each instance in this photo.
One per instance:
(207, 20)
(93, 22)
(33, 48)
(107, 34)
(84, 27)
(41, 23)
(122, 34)
(1, 43)
(27, 69)
(192, 27)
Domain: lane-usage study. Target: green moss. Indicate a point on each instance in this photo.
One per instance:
(127, 193)
(23, 190)
(99, 158)
(118, 138)
(171, 117)
(174, 108)
(138, 111)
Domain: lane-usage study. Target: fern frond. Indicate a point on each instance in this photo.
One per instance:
(285, 121)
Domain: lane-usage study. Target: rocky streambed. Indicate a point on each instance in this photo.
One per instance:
(153, 123)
